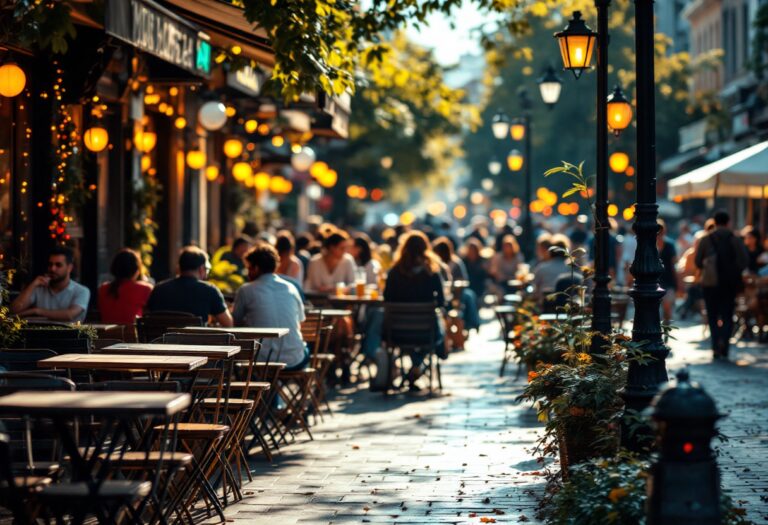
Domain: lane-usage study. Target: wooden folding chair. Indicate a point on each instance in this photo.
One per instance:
(154, 324)
(507, 316)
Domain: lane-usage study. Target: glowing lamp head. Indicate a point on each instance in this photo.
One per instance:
(241, 171)
(577, 42)
(618, 161)
(196, 159)
(515, 160)
(550, 86)
(180, 123)
(233, 148)
(517, 130)
(500, 125)
(251, 126)
(619, 111)
(494, 167)
(12, 79)
(212, 115)
(96, 138)
(329, 179)
(261, 181)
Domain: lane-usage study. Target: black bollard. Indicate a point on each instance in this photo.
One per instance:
(684, 482)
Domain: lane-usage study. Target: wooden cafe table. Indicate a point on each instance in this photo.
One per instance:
(96, 462)
(212, 352)
(241, 332)
(150, 363)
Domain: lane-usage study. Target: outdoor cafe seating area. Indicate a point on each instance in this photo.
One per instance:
(158, 422)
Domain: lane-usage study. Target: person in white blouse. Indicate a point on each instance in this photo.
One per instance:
(361, 250)
(332, 265)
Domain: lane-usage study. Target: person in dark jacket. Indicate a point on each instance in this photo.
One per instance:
(730, 260)
(415, 278)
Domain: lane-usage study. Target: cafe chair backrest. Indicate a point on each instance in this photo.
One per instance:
(11, 382)
(410, 325)
(23, 359)
(155, 324)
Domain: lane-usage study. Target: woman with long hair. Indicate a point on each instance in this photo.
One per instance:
(122, 299)
(290, 266)
(470, 313)
(415, 278)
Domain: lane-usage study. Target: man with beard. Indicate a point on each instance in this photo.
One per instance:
(54, 295)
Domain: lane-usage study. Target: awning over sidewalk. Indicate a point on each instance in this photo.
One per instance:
(743, 174)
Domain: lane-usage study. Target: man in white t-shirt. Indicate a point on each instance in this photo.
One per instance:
(54, 295)
(269, 301)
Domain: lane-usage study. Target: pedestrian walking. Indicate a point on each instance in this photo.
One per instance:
(722, 257)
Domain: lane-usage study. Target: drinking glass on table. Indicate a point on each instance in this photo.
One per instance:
(372, 291)
(340, 288)
(360, 281)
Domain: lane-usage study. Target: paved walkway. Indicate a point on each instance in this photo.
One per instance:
(456, 458)
(464, 457)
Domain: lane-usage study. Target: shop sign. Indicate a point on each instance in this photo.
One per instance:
(247, 79)
(152, 28)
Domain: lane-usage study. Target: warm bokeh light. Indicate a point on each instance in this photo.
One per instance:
(278, 141)
(261, 180)
(476, 198)
(96, 138)
(618, 161)
(407, 218)
(564, 208)
(352, 191)
(318, 169)
(629, 186)
(230, 111)
(146, 162)
(145, 141)
(263, 129)
(12, 80)
(436, 208)
(619, 111)
(515, 212)
(328, 179)
(212, 173)
(180, 123)
(196, 159)
(377, 194)
(628, 213)
(241, 171)
(251, 126)
(233, 148)
(460, 211)
(613, 210)
(630, 171)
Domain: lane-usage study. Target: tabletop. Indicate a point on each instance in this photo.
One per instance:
(330, 312)
(355, 299)
(209, 351)
(241, 332)
(513, 298)
(101, 326)
(505, 309)
(94, 403)
(162, 363)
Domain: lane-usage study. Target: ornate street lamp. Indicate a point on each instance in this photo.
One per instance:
(550, 86)
(619, 111)
(500, 125)
(577, 42)
(12, 79)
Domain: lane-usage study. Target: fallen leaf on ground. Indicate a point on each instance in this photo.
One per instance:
(366, 509)
(355, 447)
(486, 519)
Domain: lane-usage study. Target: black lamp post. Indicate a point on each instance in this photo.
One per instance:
(643, 380)
(576, 45)
(525, 106)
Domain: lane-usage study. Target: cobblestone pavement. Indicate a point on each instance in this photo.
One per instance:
(740, 389)
(455, 458)
(466, 455)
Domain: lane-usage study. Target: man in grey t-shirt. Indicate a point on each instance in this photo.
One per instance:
(54, 295)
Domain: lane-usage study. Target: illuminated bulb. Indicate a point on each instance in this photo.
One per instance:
(196, 159)
(180, 123)
(251, 126)
(212, 173)
(233, 148)
(278, 141)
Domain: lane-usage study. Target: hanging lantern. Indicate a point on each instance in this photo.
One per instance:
(212, 115)
(212, 173)
(12, 79)
(241, 171)
(303, 159)
(618, 161)
(261, 181)
(550, 86)
(517, 130)
(500, 125)
(96, 138)
(619, 111)
(145, 141)
(577, 42)
(515, 160)
(196, 159)
(233, 148)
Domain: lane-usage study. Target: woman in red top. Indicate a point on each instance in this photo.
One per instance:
(122, 299)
